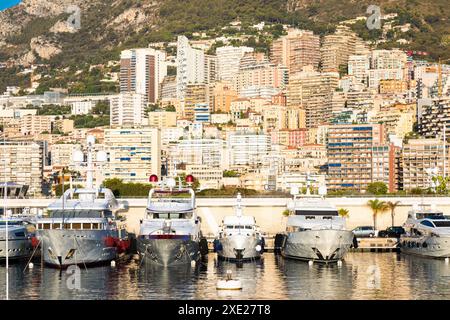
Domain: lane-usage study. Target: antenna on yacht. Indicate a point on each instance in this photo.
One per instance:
(90, 168)
(238, 205)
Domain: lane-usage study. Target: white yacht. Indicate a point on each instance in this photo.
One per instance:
(315, 231)
(171, 234)
(19, 238)
(239, 237)
(427, 233)
(82, 227)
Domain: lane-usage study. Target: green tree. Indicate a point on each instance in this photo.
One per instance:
(286, 213)
(377, 188)
(392, 205)
(230, 174)
(378, 207)
(441, 184)
(344, 213)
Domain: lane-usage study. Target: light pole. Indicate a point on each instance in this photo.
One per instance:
(5, 214)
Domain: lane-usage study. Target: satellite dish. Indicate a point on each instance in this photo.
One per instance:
(102, 156)
(322, 190)
(295, 191)
(171, 183)
(90, 139)
(77, 156)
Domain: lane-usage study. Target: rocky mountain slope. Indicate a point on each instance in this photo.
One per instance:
(36, 30)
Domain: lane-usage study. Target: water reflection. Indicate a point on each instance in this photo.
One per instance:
(361, 276)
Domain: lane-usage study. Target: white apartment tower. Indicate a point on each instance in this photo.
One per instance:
(228, 60)
(190, 66)
(128, 109)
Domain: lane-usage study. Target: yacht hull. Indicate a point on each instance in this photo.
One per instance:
(318, 245)
(18, 249)
(62, 248)
(426, 246)
(239, 247)
(168, 252)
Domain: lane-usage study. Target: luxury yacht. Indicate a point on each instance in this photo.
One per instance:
(170, 234)
(314, 230)
(82, 228)
(427, 233)
(20, 232)
(239, 237)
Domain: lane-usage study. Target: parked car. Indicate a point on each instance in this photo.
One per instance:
(391, 232)
(364, 232)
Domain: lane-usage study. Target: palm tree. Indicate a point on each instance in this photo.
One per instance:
(286, 213)
(377, 207)
(343, 212)
(392, 205)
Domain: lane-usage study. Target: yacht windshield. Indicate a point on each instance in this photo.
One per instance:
(172, 215)
(11, 223)
(316, 212)
(432, 215)
(442, 224)
(80, 213)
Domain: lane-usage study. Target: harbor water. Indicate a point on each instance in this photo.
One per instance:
(361, 276)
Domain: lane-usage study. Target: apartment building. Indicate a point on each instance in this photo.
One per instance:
(247, 149)
(33, 124)
(350, 155)
(314, 92)
(134, 154)
(24, 163)
(195, 94)
(228, 60)
(128, 109)
(223, 94)
(190, 66)
(297, 49)
(418, 156)
(256, 71)
(432, 114)
(208, 152)
(142, 71)
(338, 47)
(162, 119)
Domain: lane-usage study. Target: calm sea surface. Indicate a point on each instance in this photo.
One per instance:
(361, 276)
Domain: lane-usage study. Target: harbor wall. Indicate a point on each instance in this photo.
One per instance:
(267, 211)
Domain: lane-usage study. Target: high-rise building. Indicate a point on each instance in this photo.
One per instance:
(358, 66)
(388, 59)
(191, 66)
(432, 114)
(142, 71)
(256, 71)
(134, 154)
(418, 158)
(127, 109)
(297, 49)
(338, 47)
(208, 152)
(248, 149)
(313, 91)
(228, 59)
(24, 163)
(350, 151)
(223, 94)
(195, 94)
